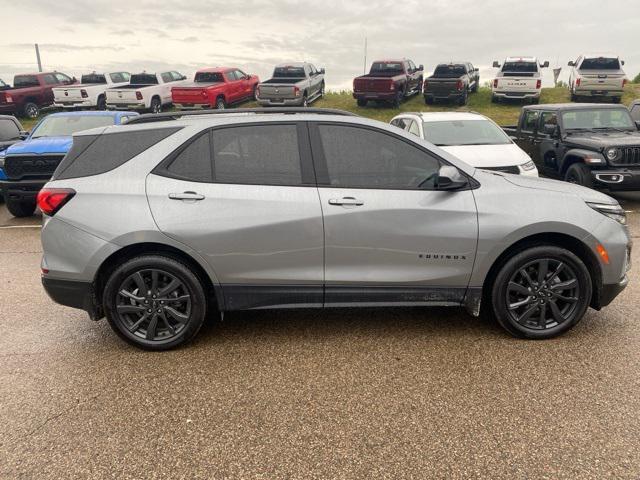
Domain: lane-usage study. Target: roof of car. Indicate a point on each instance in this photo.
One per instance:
(571, 106)
(291, 64)
(446, 116)
(215, 69)
(521, 59)
(600, 55)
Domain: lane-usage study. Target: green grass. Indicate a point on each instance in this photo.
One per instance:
(502, 114)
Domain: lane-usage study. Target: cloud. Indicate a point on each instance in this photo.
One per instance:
(65, 47)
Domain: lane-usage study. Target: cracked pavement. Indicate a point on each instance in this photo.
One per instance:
(346, 393)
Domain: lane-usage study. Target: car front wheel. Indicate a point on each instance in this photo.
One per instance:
(155, 302)
(541, 292)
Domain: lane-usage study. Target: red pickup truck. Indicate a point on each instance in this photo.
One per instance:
(215, 88)
(31, 92)
(388, 80)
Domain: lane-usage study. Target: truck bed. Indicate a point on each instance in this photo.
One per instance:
(283, 81)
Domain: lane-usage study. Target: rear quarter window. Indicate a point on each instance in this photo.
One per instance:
(96, 154)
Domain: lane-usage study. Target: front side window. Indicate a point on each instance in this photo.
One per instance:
(364, 158)
(530, 120)
(50, 79)
(62, 78)
(257, 154)
(635, 112)
(413, 128)
(464, 132)
(176, 76)
(8, 130)
(194, 161)
(167, 77)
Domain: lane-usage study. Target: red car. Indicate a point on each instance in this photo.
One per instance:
(215, 88)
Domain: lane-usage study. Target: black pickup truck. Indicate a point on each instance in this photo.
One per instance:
(593, 145)
(451, 81)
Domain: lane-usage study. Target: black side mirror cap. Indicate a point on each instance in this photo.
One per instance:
(24, 134)
(496, 64)
(638, 124)
(421, 67)
(571, 64)
(545, 64)
(450, 178)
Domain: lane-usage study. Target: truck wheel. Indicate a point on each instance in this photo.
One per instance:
(156, 105)
(361, 102)
(398, 99)
(428, 100)
(31, 110)
(579, 174)
(616, 99)
(322, 92)
(21, 208)
(463, 98)
(102, 103)
(574, 97)
(220, 103)
(305, 101)
(541, 292)
(494, 99)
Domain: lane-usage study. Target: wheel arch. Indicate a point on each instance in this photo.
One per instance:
(573, 244)
(572, 156)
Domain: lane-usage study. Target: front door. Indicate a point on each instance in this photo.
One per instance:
(390, 237)
(244, 197)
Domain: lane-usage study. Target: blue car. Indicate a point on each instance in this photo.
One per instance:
(26, 166)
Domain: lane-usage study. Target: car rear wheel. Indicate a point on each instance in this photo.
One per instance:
(463, 98)
(156, 105)
(102, 103)
(155, 302)
(579, 174)
(428, 100)
(541, 292)
(361, 102)
(21, 208)
(220, 103)
(31, 110)
(398, 99)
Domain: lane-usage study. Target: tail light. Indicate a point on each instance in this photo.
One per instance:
(84, 94)
(138, 96)
(258, 91)
(50, 200)
(392, 86)
(538, 84)
(296, 91)
(8, 98)
(577, 82)
(624, 82)
(495, 83)
(459, 85)
(424, 84)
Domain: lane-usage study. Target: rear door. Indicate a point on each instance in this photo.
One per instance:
(390, 238)
(527, 129)
(244, 197)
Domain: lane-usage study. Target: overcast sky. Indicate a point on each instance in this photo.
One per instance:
(84, 35)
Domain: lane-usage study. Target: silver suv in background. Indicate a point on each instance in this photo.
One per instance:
(292, 84)
(253, 209)
(597, 75)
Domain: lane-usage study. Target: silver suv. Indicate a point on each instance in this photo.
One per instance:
(155, 223)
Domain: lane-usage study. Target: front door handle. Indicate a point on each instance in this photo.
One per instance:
(186, 196)
(346, 201)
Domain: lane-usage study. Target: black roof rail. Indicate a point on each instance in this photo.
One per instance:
(168, 116)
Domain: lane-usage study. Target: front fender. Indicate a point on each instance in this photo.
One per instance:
(589, 157)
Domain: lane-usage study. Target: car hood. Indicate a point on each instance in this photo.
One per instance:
(598, 140)
(483, 156)
(547, 184)
(41, 145)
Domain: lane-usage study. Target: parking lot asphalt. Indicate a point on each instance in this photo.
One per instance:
(346, 393)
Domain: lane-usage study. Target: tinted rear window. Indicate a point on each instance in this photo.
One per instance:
(600, 64)
(387, 68)
(520, 67)
(93, 78)
(144, 78)
(289, 72)
(449, 71)
(23, 81)
(8, 130)
(96, 154)
(208, 77)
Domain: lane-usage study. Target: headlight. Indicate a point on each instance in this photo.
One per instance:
(528, 166)
(611, 153)
(614, 212)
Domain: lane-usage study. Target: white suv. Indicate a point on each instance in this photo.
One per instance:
(519, 78)
(471, 137)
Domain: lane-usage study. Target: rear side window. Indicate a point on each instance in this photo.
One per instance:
(24, 81)
(96, 154)
(208, 77)
(193, 162)
(8, 130)
(93, 78)
(257, 154)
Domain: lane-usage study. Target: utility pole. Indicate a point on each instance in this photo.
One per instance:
(38, 57)
(364, 69)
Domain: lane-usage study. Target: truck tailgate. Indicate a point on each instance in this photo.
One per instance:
(373, 84)
(68, 94)
(601, 81)
(192, 94)
(441, 86)
(517, 84)
(277, 91)
(126, 96)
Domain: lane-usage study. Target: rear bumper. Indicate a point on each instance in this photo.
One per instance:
(598, 92)
(193, 106)
(390, 95)
(78, 104)
(285, 102)
(126, 106)
(21, 190)
(455, 95)
(516, 95)
(72, 293)
(619, 180)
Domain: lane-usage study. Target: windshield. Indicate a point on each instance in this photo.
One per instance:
(453, 71)
(598, 118)
(208, 77)
(600, 64)
(93, 78)
(387, 68)
(464, 132)
(520, 67)
(144, 79)
(288, 72)
(64, 126)
(23, 81)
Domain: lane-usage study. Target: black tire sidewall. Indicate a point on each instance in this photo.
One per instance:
(499, 290)
(21, 208)
(26, 108)
(583, 173)
(220, 104)
(173, 266)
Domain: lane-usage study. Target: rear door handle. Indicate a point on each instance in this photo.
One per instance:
(346, 201)
(186, 196)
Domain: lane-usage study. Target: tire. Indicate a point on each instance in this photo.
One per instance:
(475, 86)
(305, 101)
(146, 321)
(547, 309)
(535, 101)
(30, 110)
(220, 103)
(574, 97)
(428, 100)
(463, 99)
(21, 208)
(102, 103)
(398, 99)
(361, 102)
(616, 99)
(494, 99)
(579, 174)
(322, 91)
(156, 105)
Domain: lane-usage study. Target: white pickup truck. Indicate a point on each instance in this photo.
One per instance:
(519, 78)
(597, 75)
(146, 91)
(90, 93)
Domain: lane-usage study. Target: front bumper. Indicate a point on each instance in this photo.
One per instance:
(611, 291)
(21, 190)
(618, 180)
(285, 102)
(72, 293)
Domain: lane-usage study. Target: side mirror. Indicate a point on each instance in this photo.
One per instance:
(571, 64)
(622, 62)
(184, 77)
(545, 64)
(496, 64)
(322, 71)
(450, 178)
(638, 124)
(550, 129)
(23, 134)
(421, 67)
(476, 69)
